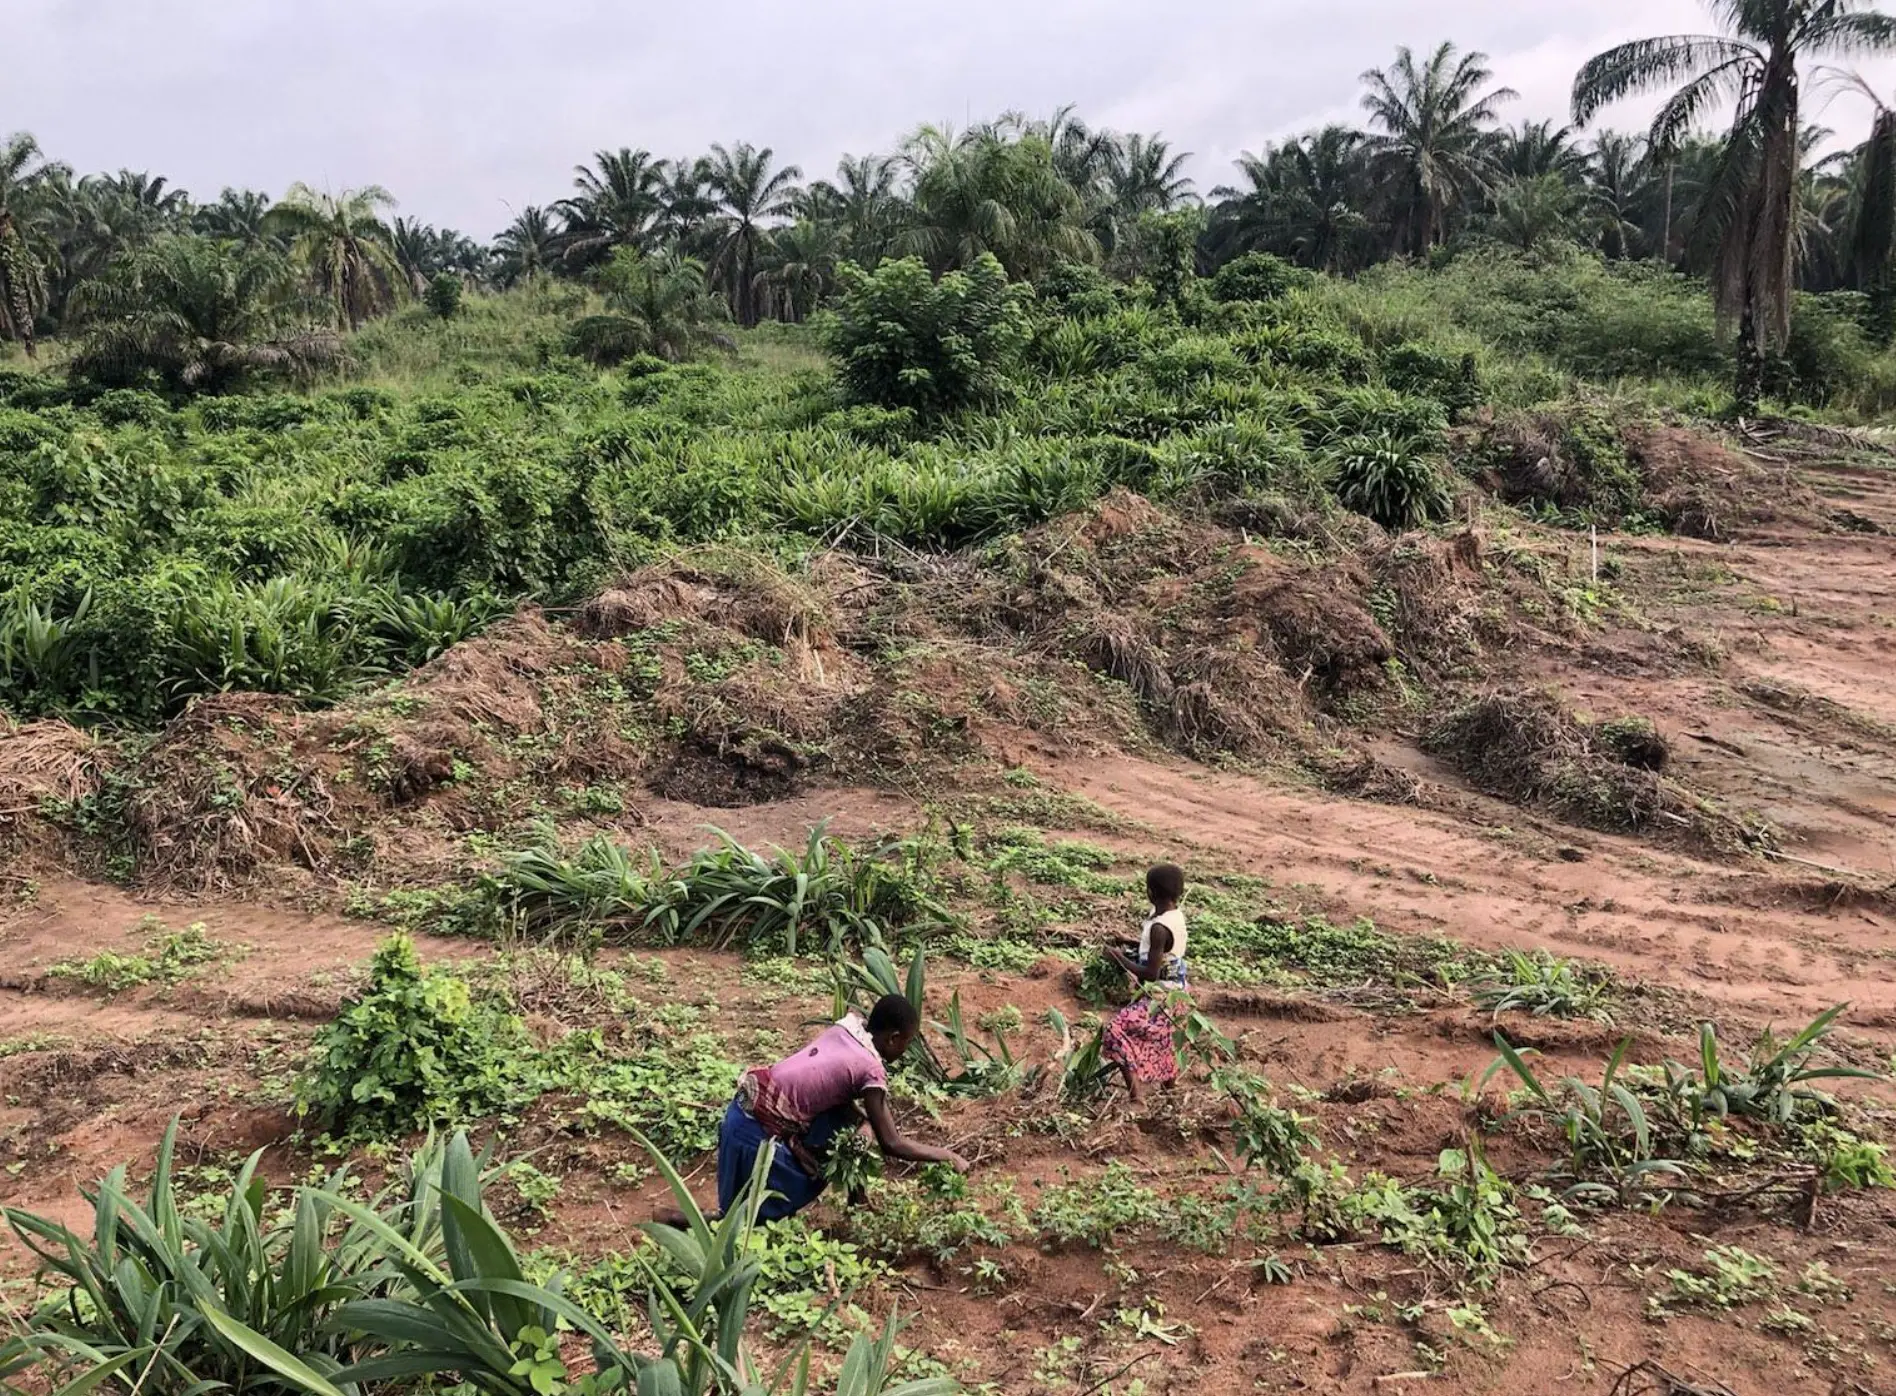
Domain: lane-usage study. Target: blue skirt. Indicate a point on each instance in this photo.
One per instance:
(791, 1188)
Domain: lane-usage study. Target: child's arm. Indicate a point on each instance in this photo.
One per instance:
(894, 1143)
(1157, 948)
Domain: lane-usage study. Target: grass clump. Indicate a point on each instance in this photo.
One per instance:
(1314, 952)
(830, 895)
(1541, 984)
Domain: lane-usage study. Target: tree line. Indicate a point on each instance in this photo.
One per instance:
(147, 275)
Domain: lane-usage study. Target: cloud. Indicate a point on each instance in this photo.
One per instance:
(471, 109)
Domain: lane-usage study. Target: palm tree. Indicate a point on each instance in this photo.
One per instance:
(526, 248)
(1618, 180)
(689, 204)
(1537, 148)
(1082, 156)
(1531, 211)
(984, 192)
(1145, 177)
(148, 201)
(237, 216)
(414, 244)
(619, 198)
(344, 246)
(23, 171)
(1304, 201)
(1432, 134)
(660, 304)
(1869, 171)
(749, 194)
(194, 310)
(1750, 205)
(863, 202)
(800, 267)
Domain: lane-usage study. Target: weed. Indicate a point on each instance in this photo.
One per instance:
(1771, 1085)
(1267, 1135)
(1093, 1211)
(414, 1048)
(1729, 1276)
(1605, 1126)
(1538, 983)
(169, 957)
(854, 1163)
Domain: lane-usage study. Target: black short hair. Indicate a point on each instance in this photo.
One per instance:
(893, 1013)
(1165, 883)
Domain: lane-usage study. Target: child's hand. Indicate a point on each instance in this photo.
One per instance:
(958, 1163)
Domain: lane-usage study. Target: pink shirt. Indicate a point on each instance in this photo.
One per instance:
(833, 1070)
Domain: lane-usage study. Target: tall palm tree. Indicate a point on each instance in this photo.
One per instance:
(1537, 148)
(1433, 119)
(1870, 173)
(986, 192)
(194, 310)
(526, 249)
(1618, 181)
(1751, 203)
(751, 195)
(1146, 177)
(864, 203)
(689, 204)
(800, 267)
(619, 198)
(345, 248)
(1303, 199)
(23, 171)
(149, 199)
(237, 217)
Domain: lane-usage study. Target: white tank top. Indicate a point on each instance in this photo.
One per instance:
(1173, 921)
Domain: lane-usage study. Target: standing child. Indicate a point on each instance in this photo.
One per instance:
(1138, 1039)
(807, 1099)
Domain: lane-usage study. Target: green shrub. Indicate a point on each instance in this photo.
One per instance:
(443, 295)
(1388, 479)
(414, 1048)
(901, 338)
(1256, 276)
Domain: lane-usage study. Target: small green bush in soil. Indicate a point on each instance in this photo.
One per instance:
(414, 1048)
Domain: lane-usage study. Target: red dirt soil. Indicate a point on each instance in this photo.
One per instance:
(1794, 714)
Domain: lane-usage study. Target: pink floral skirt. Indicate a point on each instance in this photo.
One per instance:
(1139, 1038)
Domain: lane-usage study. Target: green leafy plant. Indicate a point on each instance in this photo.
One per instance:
(1390, 480)
(1266, 1134)
(854, 1163)
(169, 957)
(1772, 1085)
(903, 338)
(413, 1048)
(1606, 1127)
(1540, 984)
(191, 1298)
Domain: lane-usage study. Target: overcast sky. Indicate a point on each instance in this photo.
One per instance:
(469, 109)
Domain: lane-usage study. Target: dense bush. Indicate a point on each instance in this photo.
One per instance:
(902, 338)
(1256, 276)
(414, 1048)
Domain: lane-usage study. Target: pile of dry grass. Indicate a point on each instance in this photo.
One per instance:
(1526, 747)
(42, 761)
(221, 795)
(726, 587)
(1705, 489)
